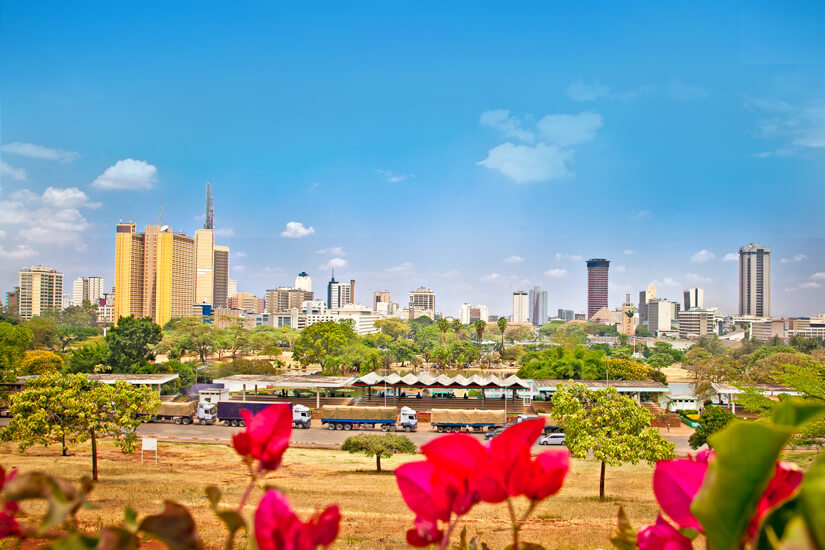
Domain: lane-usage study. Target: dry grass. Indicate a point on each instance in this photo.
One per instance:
(374, 514)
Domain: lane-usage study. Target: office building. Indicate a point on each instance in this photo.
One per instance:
(521, 307)
(13, 301)
(597, 269)
(659, 316)
(537, 314)
(464, 314)
(284, 299)
(675, 309)
(154, 273)
(220, 293)
(566, 315)
(628, 314)
(303, 282)
(695, 323)
(339, 294)
(86, 290)
(41, 290)
(755, 280)
(422, 302)
(232, 288)
(479, 313)
(204, 266)
(694, 298)
(209, 220)
(247, 302)
(380, 297)
(645, 297)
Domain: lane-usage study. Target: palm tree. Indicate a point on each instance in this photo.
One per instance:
(480, 326)
(502, 326)
(443, 326)
(457, 328)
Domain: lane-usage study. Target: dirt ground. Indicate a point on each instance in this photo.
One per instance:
(374, 515)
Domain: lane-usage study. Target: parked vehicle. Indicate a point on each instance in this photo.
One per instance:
(456, 420)
(229, 412)
(552, 439)
(390, 419)
(178, 412)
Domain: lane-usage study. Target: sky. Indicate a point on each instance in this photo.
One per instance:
(476, 148)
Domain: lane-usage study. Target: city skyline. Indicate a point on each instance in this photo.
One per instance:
(559, 159)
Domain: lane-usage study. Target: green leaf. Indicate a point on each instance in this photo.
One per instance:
(130, 519)
(117, 538)
(63, 498)
(74, 541)
(812, 499)
(774, 524)
(174, 527)
(797, 536)
(232, 519)
(625, 538)
(796, 412)
(214, 495)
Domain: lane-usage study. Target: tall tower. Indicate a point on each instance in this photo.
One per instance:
(596, 285)
(537, 314)
(303, 282)
(520, 306)
(694, 298)
(209, 222)
(755, 280)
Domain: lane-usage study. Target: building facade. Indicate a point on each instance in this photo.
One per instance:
(695, 323)
(204, 266)
(597, 271)
(659, 316)
(521, 306)
(339, 294)
(41, 290)
(464, 314)
(694, 298)
(380, 297)
(247, 302)
(537, 314)
(303, 282)
(220, 293)
(645, 297)
(755, 280)
(422, 302)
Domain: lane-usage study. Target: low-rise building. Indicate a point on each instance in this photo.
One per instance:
(695, 323)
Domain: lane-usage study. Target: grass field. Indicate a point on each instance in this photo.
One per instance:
(374, 516)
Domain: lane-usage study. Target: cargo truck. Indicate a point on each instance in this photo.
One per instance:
(229, 412)
(343, 417)
(179, 412)
(456, 420)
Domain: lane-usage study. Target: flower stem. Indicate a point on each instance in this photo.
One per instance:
(254, 477)
(516, 525)
(446, 540)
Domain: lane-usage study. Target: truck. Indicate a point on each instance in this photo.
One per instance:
(229, 412)
(390, 419)
(183, 412)
(456, 420)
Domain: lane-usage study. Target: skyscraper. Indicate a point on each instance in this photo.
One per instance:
(339, 294)
(303, 282)
(464, 314)
(220, 294)
(537, 314)
(645, 297)
(380, 297)
(694, 298)
(422, 302)
(521, 306)
(87, 290)
(205, 266)
(755, 280)
(596, 285)
(41, 290)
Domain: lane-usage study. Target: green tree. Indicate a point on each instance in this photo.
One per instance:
(394, 328)
(45, 333)
(480, 326)
(558, 362)
(502, 327)
(457, 326)
(14, 341)
(130, 343)
(39, 362)
(643, 332)
(88, 358)
(804, 343)
(660, 360)
(712, 420)
(379, 446)
(443, 326)
(404, 351)
(190, 335)
(614, 428)
(321, 342)
(70, 409)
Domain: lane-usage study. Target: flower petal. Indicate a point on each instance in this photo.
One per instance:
(662, 536)
(548, 471)
(675, 484)
(269, 431)
(276, 525)
(323, 528)
(415, 481)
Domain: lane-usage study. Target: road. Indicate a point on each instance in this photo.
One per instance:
(323, 438)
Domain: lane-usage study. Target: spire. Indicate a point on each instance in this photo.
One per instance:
(209, 223)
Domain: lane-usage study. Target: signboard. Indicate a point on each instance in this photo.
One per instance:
(149, 444)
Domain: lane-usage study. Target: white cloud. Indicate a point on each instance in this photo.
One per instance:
(819, 276)
(527, 164)
(224, 232)
(69, 197)
(702, 256)
(490, 277)
(800, 127)
(556, 273)
(406, 266)
(333, 251)
(240, 254)
(696, 278)
(513, 260)
(17, 174)
(583, 91)
(509, 126)
(620, 268)
(392, 177)
(628, 252)
(2, 234)
(797, 258)
(568, 257)
(333, 263)
(807, 285)
(20, 252)
(731, 257)
(642, 214)
(564, 130)
(666, 282)
(238, 267)
(127, 174)
(296, 230)
(38, 152)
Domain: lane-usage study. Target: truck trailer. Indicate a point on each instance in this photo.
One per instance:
(229, 412)
(183, 412)
(344, 417)
(456, 420)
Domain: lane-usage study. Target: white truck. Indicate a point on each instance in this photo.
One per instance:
(229, 412)
(390, 419)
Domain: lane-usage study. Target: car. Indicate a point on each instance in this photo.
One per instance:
(552, 439)
(490, 434)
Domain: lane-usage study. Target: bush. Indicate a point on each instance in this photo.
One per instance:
(379, 446)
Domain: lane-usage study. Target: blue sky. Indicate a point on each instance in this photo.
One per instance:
(475, 148)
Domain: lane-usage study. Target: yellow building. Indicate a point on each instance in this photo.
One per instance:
(41, 290)
(204, 266)
(154, 273)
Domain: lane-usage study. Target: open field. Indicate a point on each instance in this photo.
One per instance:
(374, 516)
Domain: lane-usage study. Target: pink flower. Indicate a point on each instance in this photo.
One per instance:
(782, 486)
(278, 528)
(424, 533)
(8, 523)
(662, 536)
(510, 452)
(546, 474)
(675, 484)
(466, 459)
(267, 435)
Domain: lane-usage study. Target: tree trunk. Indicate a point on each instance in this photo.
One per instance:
(601, 484)
(94, 456)
(378, 463)
(65, 450)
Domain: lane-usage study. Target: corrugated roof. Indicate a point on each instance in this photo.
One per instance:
(289, 380)
(133, 378)
(620, 385)
(444, 381)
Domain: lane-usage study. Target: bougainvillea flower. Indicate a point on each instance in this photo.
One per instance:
(8, 523)
(415, 481)
(466, 459)
(278, 528)
(546, 475)
(675, 484)
(782, 486)
(510, 452)
(424, 533)
(662, 536)
(266, 437)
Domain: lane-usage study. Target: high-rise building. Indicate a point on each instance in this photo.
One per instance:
(695, 322)
(248, 302)
(86, 290)
(209, 220)
(479, 313)
(284, 299)
(220, 294)
(154, 273)
(464, 314)
(205, 266)
(422, 302)
(628, 313)
(339, 294)
(380, 297)
(755, 280)
(303, 282)
(521, 306)
(232, 288)
(41, 290)
(694, 298)
(645, 297)
(566, 315)
(675, 309)
(537, 314)
(659, 316)
(597, 269)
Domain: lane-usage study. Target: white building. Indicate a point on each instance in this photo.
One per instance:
(659, 318)
(694, 298)
(233, 288)
(464, 314)
(521, 306)
(303, 282)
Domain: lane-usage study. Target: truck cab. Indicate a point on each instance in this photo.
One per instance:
(301, 416)
(207, 412)
(409, 419)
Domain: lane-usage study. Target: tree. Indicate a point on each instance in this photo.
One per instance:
(480, 326)
(191, 335)
(45, 334)
(614, 428)
(642, 331)
(379, 446)
(70, 409)
(502, 327)
(804, 343)
(321, 342)
(14, 341)
(130, 343)
(712, 420)
(88, 358)
(457, 326)
(39, 362)
(443, 326)
(394, 328)
(660, 360)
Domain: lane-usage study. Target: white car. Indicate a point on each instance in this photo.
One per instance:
(552, 439)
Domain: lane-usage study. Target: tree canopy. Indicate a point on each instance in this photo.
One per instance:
(379, 446)
(131, 343)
